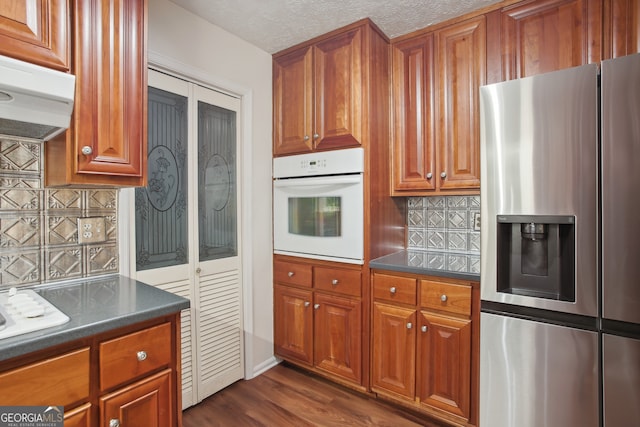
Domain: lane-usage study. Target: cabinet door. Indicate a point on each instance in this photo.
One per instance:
(293, 102)
(338, 336)
(145, 403)
(36, 31)
(338, 91)
(621, 28)
(413, 114)
(78, 417)
(444, 371)
(107, 139)
(293, 328)
(394, 349)
(461, 70)
(548, 35)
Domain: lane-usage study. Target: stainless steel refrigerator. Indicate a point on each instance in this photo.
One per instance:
(560, 250)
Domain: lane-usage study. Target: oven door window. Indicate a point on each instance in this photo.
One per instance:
(315, 216)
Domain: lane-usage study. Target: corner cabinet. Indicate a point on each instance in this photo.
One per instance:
(425, 344)
(36, 32)
(435, 90)
(321, 90)
(107, 138)
(318, 317)
(127, 377)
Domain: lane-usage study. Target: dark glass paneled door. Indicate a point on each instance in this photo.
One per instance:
(186, 233)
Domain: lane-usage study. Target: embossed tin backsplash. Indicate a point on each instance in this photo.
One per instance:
(38, 226)
(442, 233)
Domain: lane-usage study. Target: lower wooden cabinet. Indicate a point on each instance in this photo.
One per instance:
(130, 376)
(78, 417)
(145, 403)
(423, 353)
(318, 317)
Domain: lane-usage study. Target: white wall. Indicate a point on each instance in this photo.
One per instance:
(179, 38)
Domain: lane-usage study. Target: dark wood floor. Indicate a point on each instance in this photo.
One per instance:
(286, 396)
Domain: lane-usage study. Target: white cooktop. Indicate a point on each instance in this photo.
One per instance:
(25, 311)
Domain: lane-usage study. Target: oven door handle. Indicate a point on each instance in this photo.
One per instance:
(318, 182)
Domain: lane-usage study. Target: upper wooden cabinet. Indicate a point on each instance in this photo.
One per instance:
(36, 32)
(621, 28)
(436, 78)
(106, 141)
(320, 91)
(534, 37)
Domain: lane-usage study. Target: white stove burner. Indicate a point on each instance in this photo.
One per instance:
(26, 311)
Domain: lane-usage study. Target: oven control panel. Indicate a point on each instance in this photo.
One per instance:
(336, 162)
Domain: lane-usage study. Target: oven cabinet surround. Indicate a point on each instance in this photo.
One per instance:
(322, 91)
(131, 375)
(318, 317)
(425, 344)
(436, 78)
(36, 32)
(107, 138)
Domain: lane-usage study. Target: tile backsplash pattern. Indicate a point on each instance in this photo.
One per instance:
(38, 226)
(441, 234)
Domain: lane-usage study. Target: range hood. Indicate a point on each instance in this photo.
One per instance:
(35, 102)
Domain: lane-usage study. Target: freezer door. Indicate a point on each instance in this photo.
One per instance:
(536, 374)
(621, 380)
(538, 153)
(621, 189)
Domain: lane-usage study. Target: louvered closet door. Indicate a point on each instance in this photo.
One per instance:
(187, 228)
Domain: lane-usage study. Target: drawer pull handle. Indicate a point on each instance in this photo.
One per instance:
(393, 290)
(316, 306)
(409, 325)
(307, 303)
(334, 282)
(114, 422)
(424, 328)
(141, 355)
(443, 298)
(290, 274)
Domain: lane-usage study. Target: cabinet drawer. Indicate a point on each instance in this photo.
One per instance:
(61, 380)
(394, 288)
(125, 358)
(446, 297)
(292, 273)
(348, 282)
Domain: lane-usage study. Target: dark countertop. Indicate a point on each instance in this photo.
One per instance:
(453, 265)
(94, 305)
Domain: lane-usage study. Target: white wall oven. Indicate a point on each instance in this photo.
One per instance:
(318, 205)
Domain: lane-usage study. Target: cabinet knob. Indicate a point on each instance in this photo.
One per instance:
(290, 274)
(429, 175)
(141, 355)
(307, 303)
(316, 306)
(86, 150)
(392, 289)
(424, 328)
(316, 136)
(443, 298)
(198, 270)
(114, 422)
(334, 282)
(306, 137)
(409, 325)
(443, 175)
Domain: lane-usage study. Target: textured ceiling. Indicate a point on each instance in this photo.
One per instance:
(273, 25)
